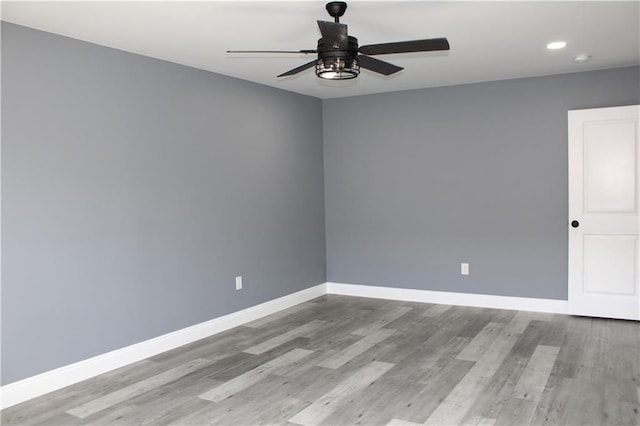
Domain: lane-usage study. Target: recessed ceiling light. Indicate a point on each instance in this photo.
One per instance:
(554, 45)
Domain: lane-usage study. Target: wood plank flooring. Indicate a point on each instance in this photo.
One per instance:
(340, 360)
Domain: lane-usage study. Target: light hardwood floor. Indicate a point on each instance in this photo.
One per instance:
(340, 360)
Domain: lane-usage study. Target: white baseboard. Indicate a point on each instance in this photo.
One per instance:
(32, 387)
(446, 298)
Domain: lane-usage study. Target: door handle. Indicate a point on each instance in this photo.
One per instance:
(575, 223)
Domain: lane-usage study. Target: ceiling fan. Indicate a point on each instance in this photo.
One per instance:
(340, 58)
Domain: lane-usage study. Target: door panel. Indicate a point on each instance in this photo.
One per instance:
(610, 169)
(609, 265)
(604, 183)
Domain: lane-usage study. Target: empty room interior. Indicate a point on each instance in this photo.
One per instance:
(310, 213)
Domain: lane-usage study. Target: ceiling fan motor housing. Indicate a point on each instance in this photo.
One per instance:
(326, 50)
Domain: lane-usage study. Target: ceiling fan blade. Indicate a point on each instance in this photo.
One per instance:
(426, 45)
(306, 52)
(300, 68)
(335, 34)
(377, 65)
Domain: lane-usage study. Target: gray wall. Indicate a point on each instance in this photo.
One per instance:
(135, 190)
(418, 182)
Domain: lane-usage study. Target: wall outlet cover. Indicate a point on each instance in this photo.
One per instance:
(464, 268)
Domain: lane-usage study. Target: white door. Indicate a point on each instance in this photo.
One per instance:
(604, 197)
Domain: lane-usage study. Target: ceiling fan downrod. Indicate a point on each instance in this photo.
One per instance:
(336, 9)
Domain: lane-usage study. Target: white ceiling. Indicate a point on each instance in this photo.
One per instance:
(489, 40)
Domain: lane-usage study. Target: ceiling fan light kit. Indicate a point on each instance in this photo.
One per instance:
(340, 58)
(337, 69)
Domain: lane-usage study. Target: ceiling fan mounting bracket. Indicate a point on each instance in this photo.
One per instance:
(336, 9)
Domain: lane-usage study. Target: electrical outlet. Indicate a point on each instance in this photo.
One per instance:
(464, 268)
(239, 283)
